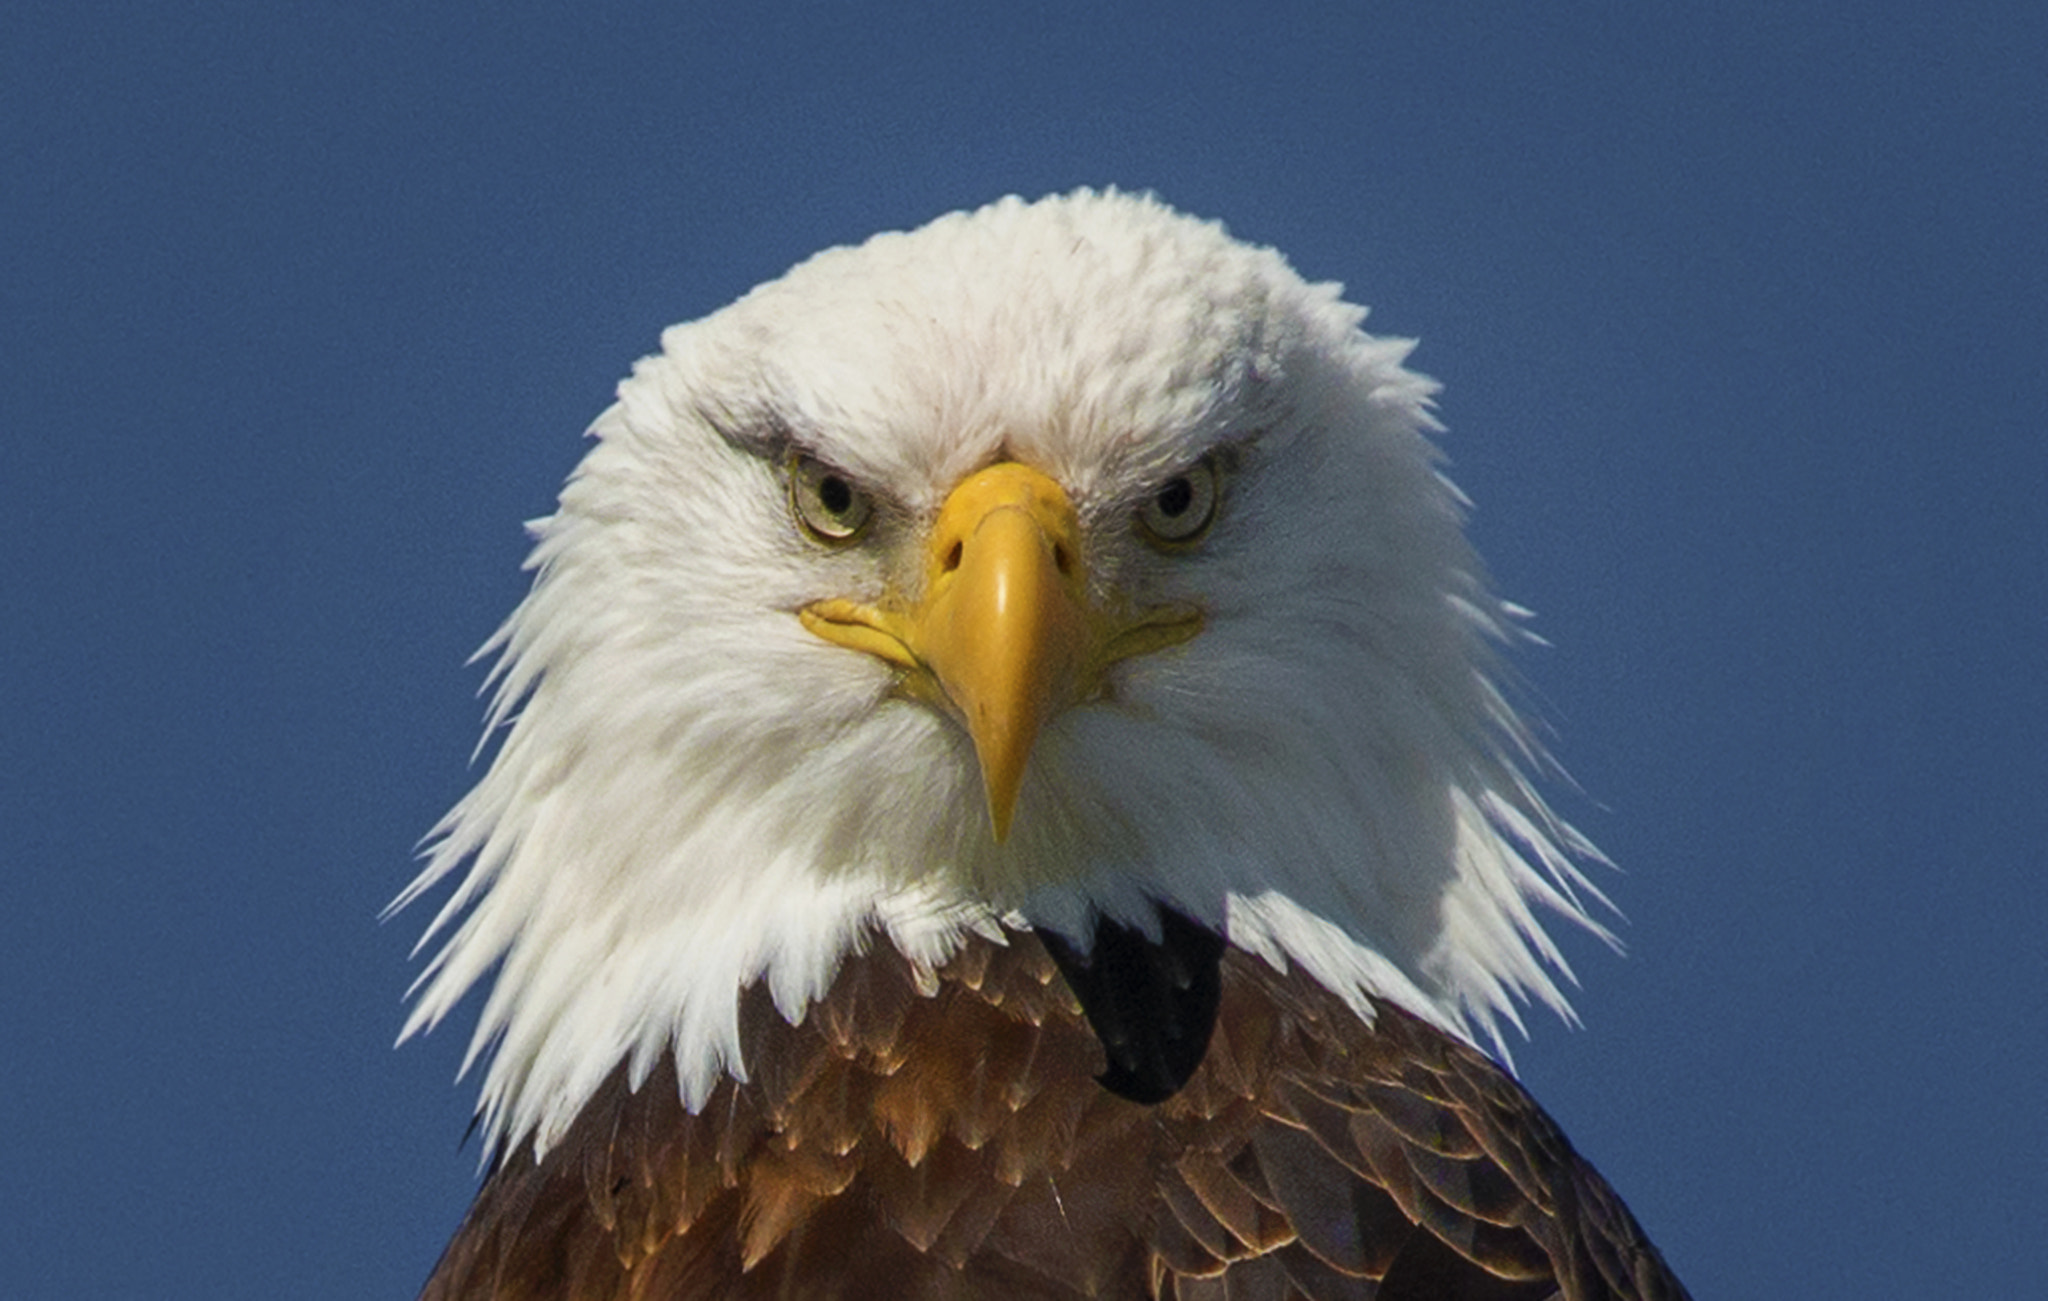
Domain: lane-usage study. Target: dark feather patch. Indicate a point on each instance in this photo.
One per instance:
(1152, 1003)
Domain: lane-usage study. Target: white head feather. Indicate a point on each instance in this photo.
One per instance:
(695, 793)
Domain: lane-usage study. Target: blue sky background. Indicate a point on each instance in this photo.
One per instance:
(1741, 310)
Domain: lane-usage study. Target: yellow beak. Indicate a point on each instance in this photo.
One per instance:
(1004, 630)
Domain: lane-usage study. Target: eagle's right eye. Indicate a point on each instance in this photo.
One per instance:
(829, 505)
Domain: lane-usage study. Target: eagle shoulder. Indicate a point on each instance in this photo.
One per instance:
(943, 1134)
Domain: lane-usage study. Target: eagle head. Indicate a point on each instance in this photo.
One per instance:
(1055, 562)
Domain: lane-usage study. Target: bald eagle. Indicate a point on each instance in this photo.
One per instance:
(1006, 790)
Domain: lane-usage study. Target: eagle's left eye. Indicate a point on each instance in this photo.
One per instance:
(829, 505)
(1179, 510)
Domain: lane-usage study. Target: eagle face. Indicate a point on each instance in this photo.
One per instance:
(1054, 562)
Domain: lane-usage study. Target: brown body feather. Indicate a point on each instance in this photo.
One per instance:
(911, 1143)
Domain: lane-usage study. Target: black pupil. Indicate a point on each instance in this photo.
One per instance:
(835, 495)
(1176, 497)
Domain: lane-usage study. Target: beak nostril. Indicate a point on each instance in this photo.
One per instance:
(952, 561)
(1063, 560)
